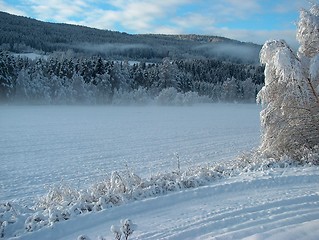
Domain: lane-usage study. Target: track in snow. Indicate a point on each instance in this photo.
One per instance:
(277, 204)
(241, 209)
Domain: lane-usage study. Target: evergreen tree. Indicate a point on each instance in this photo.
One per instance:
(167, 75)
(7, 76)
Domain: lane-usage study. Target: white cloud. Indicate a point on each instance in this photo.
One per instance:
(286, 6)
(10, 9)
(58, 10)
(194, 23)
(225, 10)
(166, 30)
(260, 36)
(153, 16)
(137, 16)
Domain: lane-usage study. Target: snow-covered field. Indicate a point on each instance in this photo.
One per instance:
(43, 145)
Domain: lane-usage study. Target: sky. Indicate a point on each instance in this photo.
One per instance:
(245, 20)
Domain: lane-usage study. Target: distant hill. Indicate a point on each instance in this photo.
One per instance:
(22, 34)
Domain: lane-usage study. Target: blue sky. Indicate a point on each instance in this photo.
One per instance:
(245, 20)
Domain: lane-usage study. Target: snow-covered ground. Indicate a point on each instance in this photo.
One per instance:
(42, 145)
(273, 204)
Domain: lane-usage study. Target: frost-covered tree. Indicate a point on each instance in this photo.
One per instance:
(230, 90)
(104, 88)
(6, 75)
(167, 75)
(122, 73)
(290, 118)
(21, 91)
(248, 90)
(126, 229)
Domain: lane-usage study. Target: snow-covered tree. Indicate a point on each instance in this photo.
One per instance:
(249, 90)
(290, 118)
(79, 94)
(104, 88)
(127, 228)
(122, 73)
(230, 90)
(6, 75)
(23, 79)
(167, 75)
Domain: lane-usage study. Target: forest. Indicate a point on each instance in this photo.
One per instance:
(63, 79)
(82, 65)
(22, 34)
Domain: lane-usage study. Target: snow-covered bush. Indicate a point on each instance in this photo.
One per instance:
(64, 202)
(36, 221)
(116, 230)
(138, 96)
(12, 219)
(290, 117)
(125, 230)
(167, 96)
(83, 237)
(170, 96)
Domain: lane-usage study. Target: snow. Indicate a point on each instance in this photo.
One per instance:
(272, 204)
(44, 145)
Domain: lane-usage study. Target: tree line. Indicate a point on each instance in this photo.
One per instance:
(63, 79)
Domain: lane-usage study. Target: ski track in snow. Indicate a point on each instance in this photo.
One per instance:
(275, 204)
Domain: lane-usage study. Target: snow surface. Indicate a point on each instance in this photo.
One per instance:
(44, 145)
(272, 204)
(41, 145)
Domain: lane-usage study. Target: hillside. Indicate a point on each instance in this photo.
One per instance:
(22, 34)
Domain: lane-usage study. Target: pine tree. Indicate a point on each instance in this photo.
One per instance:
(6, 75)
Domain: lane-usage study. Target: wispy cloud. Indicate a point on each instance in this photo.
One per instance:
(11, 9)
(58, 10)
(286, 6)
(136, 16)
(234, 9)
(194, 23)
(260, 36)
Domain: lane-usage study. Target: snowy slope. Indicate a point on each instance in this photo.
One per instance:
(273, 204)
